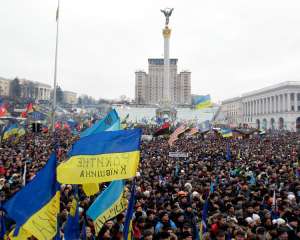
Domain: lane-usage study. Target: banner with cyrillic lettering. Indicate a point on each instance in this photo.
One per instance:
(102, 157)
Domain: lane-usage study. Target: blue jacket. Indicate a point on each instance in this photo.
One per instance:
(159, 225)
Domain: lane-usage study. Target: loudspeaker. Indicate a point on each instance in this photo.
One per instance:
(36, 127)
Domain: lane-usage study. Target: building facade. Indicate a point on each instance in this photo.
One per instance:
(149, 88)
(276, 107)
(232, 110)
(35, 90)
(140, 87)
(69, 97)
(182, 89)
(4, 87)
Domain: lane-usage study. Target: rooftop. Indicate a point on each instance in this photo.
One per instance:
(160, 61)
(230, 100)
(273, 87)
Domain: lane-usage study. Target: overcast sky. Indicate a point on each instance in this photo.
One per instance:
(230, 47)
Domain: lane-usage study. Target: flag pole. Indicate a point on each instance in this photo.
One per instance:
(55, 71)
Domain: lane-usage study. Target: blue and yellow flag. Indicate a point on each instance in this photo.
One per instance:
(21, 235)
(35, 207)
(102, 157)
(72, 227)
(21, 132)
(10, 130)
(108, 204)
(202, 102)
(226, 132)
(111, 122)
(127, 233)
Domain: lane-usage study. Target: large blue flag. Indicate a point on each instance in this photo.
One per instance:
(35, 207)
(111, 122)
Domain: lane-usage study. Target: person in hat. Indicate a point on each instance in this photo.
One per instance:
(164, 220)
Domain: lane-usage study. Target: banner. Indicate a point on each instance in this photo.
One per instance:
(102, 157)
(178, 154)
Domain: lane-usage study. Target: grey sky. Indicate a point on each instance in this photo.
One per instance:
(230, 46)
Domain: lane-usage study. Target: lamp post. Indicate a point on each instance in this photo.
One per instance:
(55, 71)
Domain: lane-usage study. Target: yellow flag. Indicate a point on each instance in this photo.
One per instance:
(23, 235)
(73, 207)
(90, 188)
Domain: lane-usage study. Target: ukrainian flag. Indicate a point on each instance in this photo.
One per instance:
(10, 130)
(226, 132)
(108, 204)
(102, 157)
(21, 132)
(111, 122)
(202, 102)
(72, 227)
(35, 207)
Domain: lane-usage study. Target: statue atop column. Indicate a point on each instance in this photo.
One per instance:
(167, 12)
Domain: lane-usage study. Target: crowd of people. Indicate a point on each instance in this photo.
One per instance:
(252, 194)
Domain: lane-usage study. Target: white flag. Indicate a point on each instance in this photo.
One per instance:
(274, 200)
(24, 174)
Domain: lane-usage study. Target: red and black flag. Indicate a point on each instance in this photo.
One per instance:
(164, 129)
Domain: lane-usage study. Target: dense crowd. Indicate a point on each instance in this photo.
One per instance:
(253, 194)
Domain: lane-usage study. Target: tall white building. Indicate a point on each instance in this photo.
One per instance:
(140, 87)
(149, 88)
(274, 107)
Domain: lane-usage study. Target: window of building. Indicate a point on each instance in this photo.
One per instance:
(292, 107)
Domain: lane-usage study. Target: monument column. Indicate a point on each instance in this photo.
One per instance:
(166, 108)
(166, 91)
